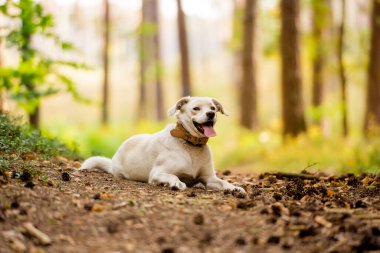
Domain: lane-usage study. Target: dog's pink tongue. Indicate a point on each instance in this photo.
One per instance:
(209, 131)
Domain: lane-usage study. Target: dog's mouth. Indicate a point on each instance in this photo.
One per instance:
(206, 128)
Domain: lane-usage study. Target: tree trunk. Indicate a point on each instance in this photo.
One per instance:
(184, 51)
(2, 92)
(34, 118)
(342, 71)
(106, 37)
(142, 102)
(292, 101)
(372, 116)
(320, 21)
(237, 39)
(248, 94)
(160, 115)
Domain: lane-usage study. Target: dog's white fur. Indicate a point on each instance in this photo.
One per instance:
(160, 158)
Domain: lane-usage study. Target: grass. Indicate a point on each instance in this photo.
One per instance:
(19, 142)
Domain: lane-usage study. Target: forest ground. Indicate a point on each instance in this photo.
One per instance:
(93, 211)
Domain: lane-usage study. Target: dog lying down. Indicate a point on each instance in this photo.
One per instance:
(177, 156)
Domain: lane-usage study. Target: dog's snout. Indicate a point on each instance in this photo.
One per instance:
(210, 115)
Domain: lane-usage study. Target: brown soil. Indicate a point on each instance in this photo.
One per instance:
(95, 212)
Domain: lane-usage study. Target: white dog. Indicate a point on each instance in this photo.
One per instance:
(176, 156)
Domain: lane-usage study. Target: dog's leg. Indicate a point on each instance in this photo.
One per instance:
(167, 179)
(215, 183)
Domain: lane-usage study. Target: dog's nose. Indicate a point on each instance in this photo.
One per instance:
(210, 115)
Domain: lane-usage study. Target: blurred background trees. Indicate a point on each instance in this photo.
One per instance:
(291, 81)
(248, 90)
(372, 116)
(106, 46)
(36, 75)
(307, 69)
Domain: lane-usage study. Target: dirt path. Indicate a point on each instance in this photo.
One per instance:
(95, 212)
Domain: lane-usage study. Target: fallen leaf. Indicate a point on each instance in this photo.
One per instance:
(97, 208)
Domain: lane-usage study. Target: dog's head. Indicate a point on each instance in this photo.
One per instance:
(197, 115)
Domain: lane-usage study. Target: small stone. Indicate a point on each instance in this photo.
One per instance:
(26, 176)
(279, 209)
(272, 179)
(273, 240)
(161, 240)
(2, 215)
(30, 185)
(23, 211)
(375, 231)
(198, 219)
(226, 173)
(277, 196)
(207, 238)
(309, 231)
(168, 250)
(191, 194)
(288, 243)
(112, 227)
(255, 240)
(240, 241)
(359, 204)
(245, 204)
(15, 204)
(65, 176)
(174, 188)
(88, 206)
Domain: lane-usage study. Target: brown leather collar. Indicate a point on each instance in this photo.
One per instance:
(180, 132)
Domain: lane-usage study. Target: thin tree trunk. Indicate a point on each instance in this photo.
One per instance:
(34, 118)
(237, 39)
(342, 71)
(106, 37)
(2, 93)
(372, 116)
(292, 101)
(248, 94)
(184, 51)
(319, 22)
(143, 66)
(158, 67)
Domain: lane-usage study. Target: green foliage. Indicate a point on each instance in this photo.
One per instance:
(36, 75)
(17, 140)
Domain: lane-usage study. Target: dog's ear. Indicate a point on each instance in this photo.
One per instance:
(219, 107)
(178, 105)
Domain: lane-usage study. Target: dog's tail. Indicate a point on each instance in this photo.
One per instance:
(99, 162)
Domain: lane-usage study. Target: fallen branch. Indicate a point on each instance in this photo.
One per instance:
(281, 175)
(39, 235)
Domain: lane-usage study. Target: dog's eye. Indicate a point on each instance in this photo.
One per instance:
(212, 108)
(196, 108)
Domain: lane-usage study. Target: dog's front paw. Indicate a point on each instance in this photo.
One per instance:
(238, 189)
(178, 186)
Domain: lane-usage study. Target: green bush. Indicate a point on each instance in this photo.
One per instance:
(17, 140)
